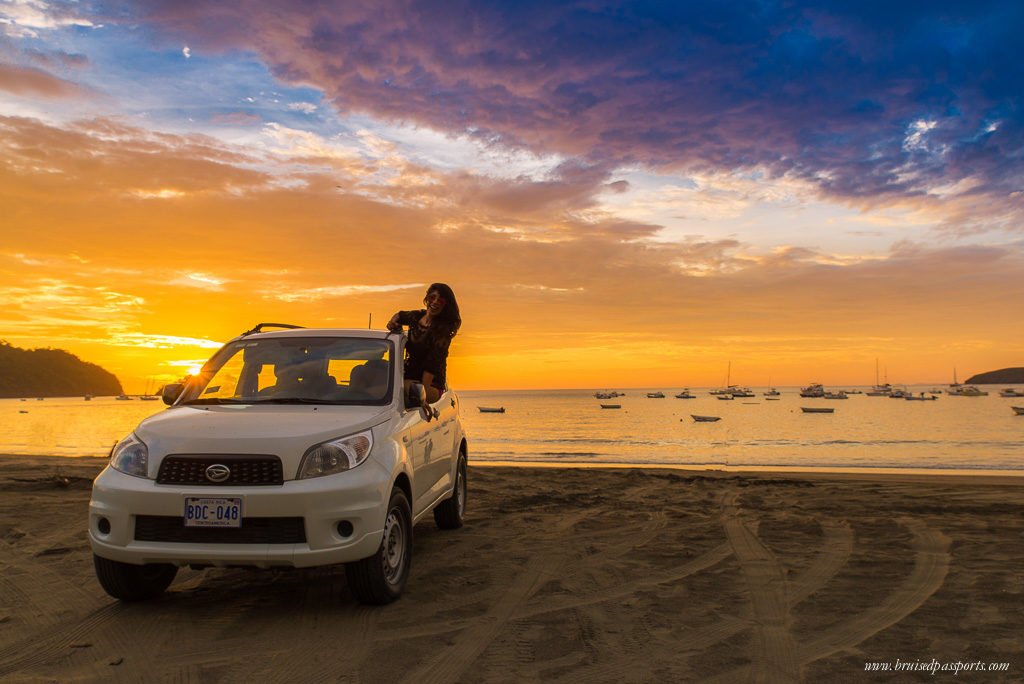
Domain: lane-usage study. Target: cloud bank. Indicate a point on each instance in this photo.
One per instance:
(871, 104)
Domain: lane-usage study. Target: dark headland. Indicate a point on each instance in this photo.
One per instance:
(51, 373)
(1003, 376)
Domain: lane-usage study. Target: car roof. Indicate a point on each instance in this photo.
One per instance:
(318, 332)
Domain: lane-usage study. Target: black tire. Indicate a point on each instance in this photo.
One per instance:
(133, 582)
(379, 579)
(451, 513)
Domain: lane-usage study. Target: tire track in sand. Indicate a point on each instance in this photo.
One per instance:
(931, 563)
(837, 545)
(36, 650)
(774, 657)
(449, 664)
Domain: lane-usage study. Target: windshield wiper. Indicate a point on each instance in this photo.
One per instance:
(213, 400)
(291, 400)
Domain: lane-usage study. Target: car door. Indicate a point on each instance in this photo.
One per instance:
(417, 440)
(444, 447)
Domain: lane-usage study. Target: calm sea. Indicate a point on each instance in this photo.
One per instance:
(569, 427)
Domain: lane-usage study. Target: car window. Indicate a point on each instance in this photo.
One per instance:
(334, 370)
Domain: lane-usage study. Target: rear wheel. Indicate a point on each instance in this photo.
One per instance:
(380, 578)
(133, 582)
(450, 513)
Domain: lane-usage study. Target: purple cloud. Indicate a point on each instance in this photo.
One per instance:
(870, 102)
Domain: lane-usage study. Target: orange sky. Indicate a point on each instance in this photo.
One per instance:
(148, 217)
(117, 241)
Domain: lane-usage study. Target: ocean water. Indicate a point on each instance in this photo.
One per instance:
(569, 427)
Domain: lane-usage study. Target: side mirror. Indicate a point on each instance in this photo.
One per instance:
(171, 392)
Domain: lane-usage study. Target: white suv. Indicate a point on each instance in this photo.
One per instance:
(291, 448)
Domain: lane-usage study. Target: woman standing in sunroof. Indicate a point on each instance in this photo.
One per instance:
(426, 353)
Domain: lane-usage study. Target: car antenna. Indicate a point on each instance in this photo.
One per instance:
(369, 325)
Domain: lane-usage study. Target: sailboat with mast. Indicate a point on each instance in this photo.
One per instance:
(730, 390)
(883, 390)
(722, 391)
(958, 390)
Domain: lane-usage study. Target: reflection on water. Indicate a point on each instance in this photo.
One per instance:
(69, 426)
(959, 433)
(569, 426)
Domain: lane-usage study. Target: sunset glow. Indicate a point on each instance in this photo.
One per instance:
(619, 194)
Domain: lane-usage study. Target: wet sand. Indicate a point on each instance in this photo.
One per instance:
(587, 575)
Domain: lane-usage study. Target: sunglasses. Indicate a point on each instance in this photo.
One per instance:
(435, 298)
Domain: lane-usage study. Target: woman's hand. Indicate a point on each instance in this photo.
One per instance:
(394, 325)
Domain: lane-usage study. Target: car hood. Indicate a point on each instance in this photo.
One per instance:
(286, 431)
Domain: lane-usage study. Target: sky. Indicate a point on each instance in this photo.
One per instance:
(621, 194)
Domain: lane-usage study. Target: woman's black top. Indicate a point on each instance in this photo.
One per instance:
(426, 349)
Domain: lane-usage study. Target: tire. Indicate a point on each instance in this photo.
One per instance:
(451, 513)
(379, 579)
(133, 582)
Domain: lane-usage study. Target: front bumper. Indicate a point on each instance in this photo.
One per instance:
(358, 496)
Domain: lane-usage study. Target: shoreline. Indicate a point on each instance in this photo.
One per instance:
(976, 476)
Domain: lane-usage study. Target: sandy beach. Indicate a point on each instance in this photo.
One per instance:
(589, 575)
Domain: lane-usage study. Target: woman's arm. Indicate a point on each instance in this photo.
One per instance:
(402, 318)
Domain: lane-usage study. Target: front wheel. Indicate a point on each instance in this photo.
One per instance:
(129, 582)
(380, 578)
(451, 513)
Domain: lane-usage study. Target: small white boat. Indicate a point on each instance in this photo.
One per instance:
(921, 397)
(148, 397)
(685, 394)
(772, 393)
(815, 389)
(724, 397)
(123, 397)
(965, 391)
(608, 395)
(655, 395)
(705, 419)
(835, 395)
(1019, 410)
(611, 406)
(816, 409)
(491, 409)
(1011, 392)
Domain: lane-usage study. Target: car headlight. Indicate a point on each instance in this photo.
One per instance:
(335, 456)
(130, 456)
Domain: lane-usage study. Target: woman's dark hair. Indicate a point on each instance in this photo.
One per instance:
(449, 316)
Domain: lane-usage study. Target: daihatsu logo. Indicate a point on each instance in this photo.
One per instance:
(218, 473)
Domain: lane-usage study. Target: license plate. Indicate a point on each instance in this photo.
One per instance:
(213, 512)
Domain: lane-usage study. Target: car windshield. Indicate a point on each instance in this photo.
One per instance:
(296, 370)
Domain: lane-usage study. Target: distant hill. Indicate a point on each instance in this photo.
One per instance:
(51, 373)
(1003, 376)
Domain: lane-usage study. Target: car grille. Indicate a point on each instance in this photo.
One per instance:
(245, 470)
(168, 528)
